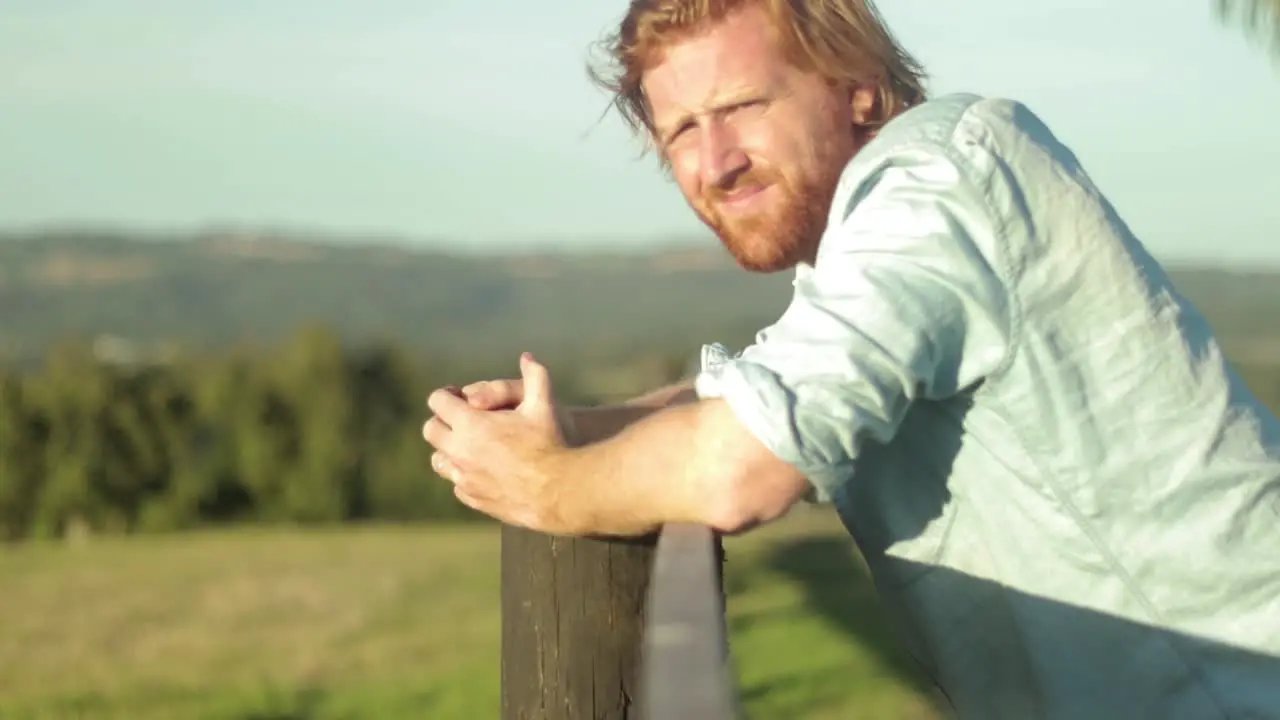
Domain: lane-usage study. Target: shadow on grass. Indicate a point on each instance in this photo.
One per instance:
(835, 588)
(305, 704)
(315, 702)
(838, 589)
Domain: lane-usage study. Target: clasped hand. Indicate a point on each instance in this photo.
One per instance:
(502, 447)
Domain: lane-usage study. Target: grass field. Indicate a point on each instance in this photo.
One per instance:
(388, 623)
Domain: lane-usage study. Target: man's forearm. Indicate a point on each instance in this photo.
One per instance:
(674, 394)
(638, 477)
(588, 425)
(690, 462)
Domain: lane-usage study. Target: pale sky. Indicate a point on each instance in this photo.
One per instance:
(471, 122)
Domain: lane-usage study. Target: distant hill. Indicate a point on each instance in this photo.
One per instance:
(216, 289)
(210, 291)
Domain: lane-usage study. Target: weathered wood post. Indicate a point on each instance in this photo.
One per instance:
(572, 625)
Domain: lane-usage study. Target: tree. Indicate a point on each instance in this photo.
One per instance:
(1260, 20)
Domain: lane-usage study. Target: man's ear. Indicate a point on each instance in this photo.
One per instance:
(863, 101)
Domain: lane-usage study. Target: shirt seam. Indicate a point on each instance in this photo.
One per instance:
(1015, 318)
(1000, 228)
(1001, 262)
(1113, 563)
(1013, 307)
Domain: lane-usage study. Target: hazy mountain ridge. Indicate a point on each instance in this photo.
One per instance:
(214, 289)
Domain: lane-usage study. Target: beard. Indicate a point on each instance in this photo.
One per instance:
(781, 234)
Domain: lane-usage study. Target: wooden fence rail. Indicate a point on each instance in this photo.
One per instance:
(614, 629)
(686, 671)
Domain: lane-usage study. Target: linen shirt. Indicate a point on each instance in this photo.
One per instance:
(1068, 500)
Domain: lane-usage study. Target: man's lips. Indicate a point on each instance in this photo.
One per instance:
(741, 197)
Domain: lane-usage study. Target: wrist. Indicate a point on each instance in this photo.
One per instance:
(568, 505)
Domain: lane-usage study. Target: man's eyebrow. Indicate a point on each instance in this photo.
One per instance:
(720, 104)
(665, 130)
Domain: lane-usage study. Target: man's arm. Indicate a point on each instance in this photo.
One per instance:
(686, 462)
(586, 425)
(675, 394)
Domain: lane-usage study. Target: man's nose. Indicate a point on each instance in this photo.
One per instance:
(721, 158)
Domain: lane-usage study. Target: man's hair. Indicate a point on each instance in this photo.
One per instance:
(844, 41)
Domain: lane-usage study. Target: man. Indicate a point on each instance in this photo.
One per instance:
(1064, 493)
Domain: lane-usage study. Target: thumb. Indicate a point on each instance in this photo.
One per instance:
(537, 383)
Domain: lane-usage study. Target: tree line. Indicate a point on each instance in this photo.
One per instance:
(305, 432)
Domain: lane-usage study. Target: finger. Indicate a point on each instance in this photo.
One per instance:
(437, 434)
(494, 394)
(466, 498)
(449, 407)
(537, 383)
(477, 492)
(451, 389)
(445, 468)
(474, 497)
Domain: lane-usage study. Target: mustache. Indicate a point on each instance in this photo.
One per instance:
(749, 178)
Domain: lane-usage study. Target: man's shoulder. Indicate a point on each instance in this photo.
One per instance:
(931, 123)
(958, 133)
(951, 123)
(942, 150)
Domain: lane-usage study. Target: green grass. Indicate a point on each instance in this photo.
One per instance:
(388, 623)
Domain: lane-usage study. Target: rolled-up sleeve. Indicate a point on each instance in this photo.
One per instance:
(905, 302)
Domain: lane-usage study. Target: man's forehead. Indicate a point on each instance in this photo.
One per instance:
(711, 70)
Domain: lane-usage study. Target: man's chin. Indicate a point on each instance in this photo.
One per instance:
(765, 268)
(753, 253)
(762, 260)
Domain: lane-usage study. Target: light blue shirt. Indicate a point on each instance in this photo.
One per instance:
(1065, 494)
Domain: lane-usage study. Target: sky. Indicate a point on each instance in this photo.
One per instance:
(472, 123)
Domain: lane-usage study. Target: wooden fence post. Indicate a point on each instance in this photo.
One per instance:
(572, 625)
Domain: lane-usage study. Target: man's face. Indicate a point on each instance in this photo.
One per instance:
(755, 144)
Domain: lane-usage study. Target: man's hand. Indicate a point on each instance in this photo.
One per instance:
(502, 461)
(494, 394)
(507, 395)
